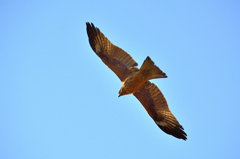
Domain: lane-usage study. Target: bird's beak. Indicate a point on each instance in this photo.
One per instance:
(120, 92)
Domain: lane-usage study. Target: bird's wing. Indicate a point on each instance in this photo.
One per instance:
(156, 105)
(120, 62)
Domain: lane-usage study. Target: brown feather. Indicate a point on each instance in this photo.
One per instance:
(120, 62)
(152, 70)
(156, 105)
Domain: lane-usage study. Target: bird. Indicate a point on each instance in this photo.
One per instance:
(136, 81)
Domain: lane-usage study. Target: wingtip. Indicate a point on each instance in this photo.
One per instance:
(177, 131)
(184, 138)
(90, 24)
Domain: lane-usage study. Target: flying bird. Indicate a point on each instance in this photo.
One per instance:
(136, 81)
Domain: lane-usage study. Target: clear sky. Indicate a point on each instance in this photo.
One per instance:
(58, 99)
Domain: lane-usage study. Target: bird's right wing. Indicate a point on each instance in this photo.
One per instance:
(156, 105)
(120, 62)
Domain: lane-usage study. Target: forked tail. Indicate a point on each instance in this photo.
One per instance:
(152, 70)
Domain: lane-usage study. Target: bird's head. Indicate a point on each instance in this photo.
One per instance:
(122, 92)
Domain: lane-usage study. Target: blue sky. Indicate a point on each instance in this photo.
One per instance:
(58, 100)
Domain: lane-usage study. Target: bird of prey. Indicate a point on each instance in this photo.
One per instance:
(136, 81)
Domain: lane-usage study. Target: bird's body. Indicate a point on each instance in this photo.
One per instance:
(138, 77)
(136, 81)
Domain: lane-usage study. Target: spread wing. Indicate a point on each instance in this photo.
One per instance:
(120, 62)
(156, 105)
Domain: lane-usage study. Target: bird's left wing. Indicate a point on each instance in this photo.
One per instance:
(156, 105)
(120, 62)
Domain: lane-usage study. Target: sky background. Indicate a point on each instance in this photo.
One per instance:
(58, 99)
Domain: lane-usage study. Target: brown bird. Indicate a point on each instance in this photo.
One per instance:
(136, 81)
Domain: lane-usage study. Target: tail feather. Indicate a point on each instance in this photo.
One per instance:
(152, 70)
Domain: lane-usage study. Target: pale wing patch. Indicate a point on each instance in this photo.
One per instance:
(161, 123)
(97, 48)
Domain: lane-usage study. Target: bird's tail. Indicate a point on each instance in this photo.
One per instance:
(152, 70)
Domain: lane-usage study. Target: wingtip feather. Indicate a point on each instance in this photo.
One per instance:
(176, 131)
